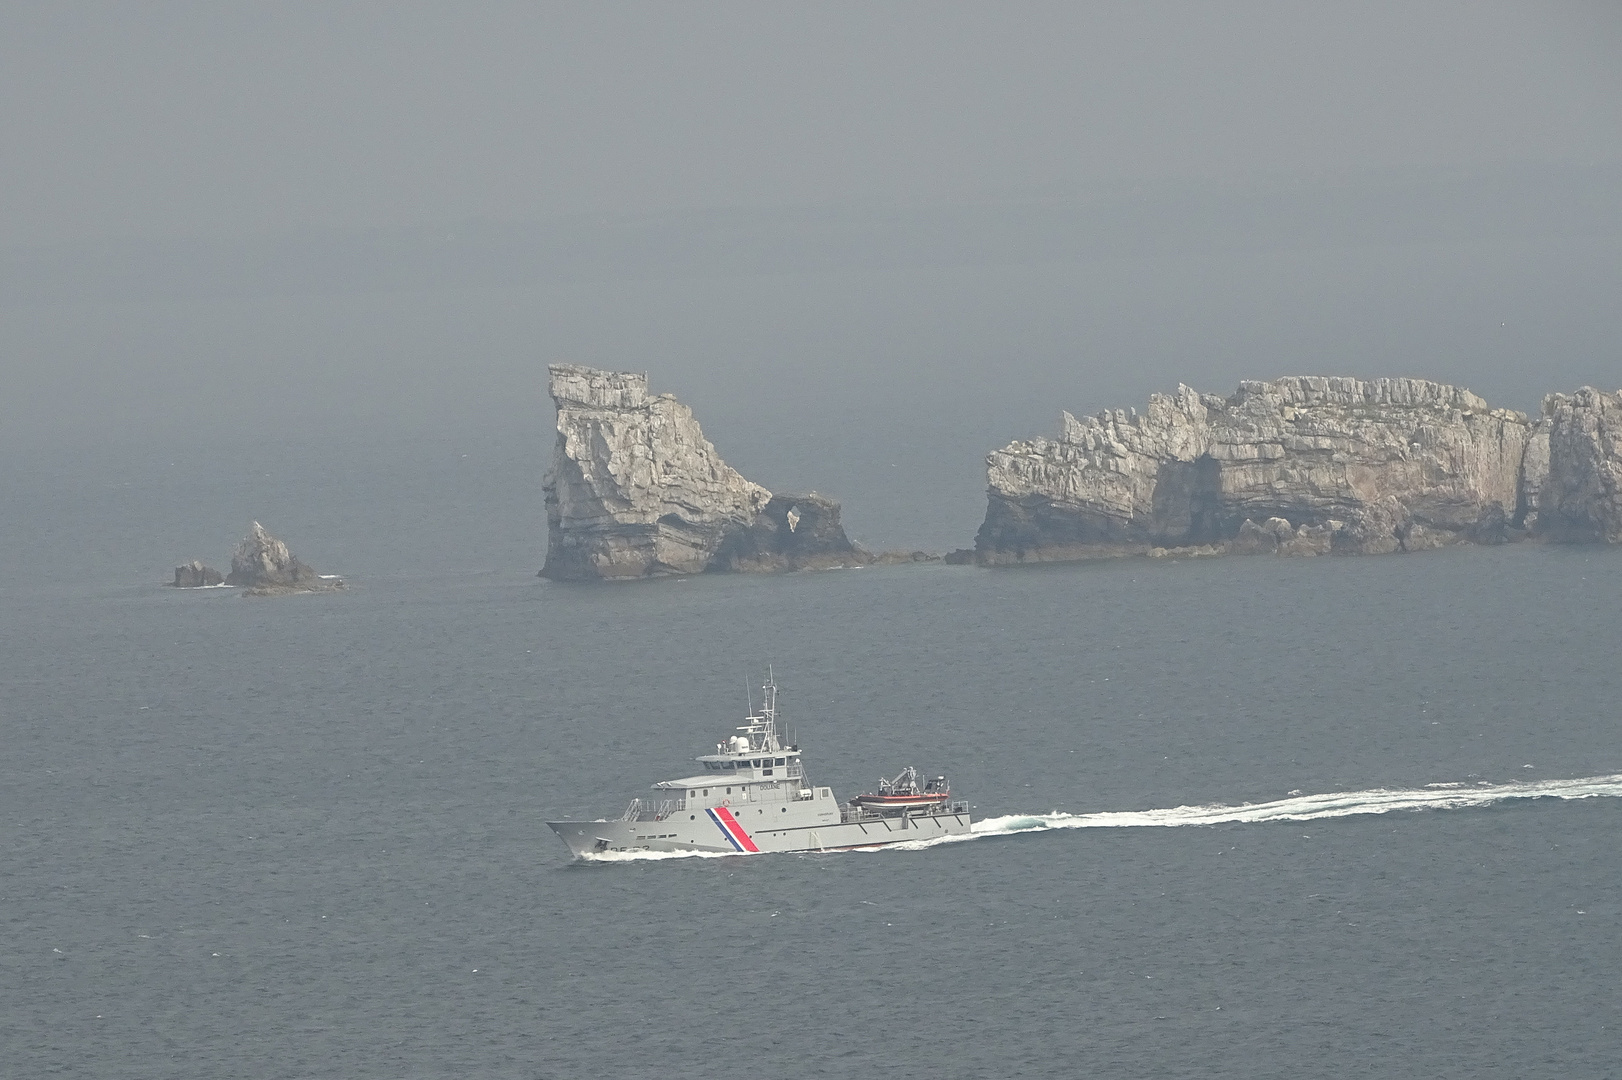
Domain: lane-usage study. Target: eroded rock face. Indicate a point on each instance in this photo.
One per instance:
(636, 490)
(1300, 465)
(263, 566)
(194, 575)
(1581, 499)
(792, 532)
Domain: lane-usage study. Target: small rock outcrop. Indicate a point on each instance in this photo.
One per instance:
(1276, 536)
(636, 490)
(1307, 466)
(262, 566)
(194, 575)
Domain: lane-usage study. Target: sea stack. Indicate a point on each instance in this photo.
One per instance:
(194, 575)
(262, 566)
(1307, 465)
(1581, 498)
(636, 490)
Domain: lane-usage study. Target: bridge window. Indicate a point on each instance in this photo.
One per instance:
(780, 761)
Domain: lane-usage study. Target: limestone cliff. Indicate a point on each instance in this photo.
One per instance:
(263, 566)
(636, 490)
(1581, 497)
(1306, 465)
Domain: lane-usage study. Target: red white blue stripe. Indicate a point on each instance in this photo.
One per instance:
(734, 832)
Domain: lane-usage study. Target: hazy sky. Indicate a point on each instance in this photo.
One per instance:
(218, 119)
(847, 233)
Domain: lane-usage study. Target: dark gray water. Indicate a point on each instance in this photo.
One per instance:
(304, 837)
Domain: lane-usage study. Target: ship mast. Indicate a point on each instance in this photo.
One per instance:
(759, 733)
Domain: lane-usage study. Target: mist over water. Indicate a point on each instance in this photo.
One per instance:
(884, 389)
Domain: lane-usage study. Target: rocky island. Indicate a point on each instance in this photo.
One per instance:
(194, 575)
(635, 490)
(1306, 466)
(262, 566)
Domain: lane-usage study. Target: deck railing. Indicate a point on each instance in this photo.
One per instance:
(648, 810)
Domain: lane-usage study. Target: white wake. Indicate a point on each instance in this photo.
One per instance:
(649, 856)
(1295, 808)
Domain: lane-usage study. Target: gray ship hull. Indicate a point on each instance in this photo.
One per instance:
(753, 797)
(735, 835)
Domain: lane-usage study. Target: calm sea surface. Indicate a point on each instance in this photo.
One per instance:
(304, 837)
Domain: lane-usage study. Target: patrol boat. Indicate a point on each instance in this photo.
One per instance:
(753, 797)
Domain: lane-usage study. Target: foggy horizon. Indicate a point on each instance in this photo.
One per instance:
(867, 244)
